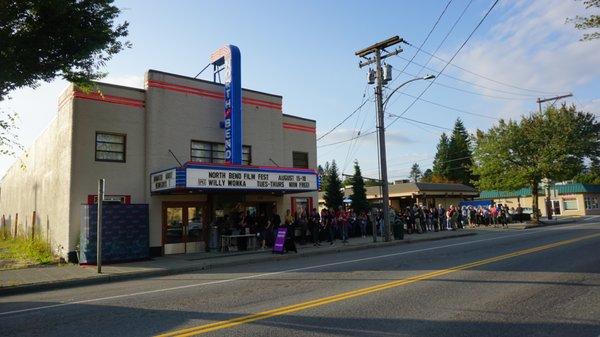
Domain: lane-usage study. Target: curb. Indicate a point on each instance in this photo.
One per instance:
(106, 278)
(551, 223)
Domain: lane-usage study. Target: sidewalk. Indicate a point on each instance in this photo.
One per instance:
(543, 223)
(51, 277)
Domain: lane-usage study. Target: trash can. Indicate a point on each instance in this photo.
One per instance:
(398, 227)
(214, 238)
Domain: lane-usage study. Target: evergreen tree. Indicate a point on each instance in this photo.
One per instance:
(334, 197)
(440, 163)
(427, 176)
(323, 175)
(459, 155)
(359, 192)
(415, 173)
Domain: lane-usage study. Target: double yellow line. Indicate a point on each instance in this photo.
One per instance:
(201, 329)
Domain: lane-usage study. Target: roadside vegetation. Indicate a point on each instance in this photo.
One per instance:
(22, 252)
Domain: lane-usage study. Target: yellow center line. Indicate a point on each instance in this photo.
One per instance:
(201, 329)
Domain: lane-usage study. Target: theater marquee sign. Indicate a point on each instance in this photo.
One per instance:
(209, 177)
(253, 180)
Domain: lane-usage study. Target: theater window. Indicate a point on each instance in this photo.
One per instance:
(110, 147)
(300, 159)
(210, 152)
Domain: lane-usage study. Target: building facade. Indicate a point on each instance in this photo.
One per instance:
(164, 146)
(404, 194)
(566, 199)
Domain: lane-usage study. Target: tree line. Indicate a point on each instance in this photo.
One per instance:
(559, 144)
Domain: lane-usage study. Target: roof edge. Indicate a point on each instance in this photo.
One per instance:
(210, 82)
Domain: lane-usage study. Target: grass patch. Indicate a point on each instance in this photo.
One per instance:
(23, 252)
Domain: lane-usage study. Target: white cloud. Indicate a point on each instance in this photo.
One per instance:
(532, 47)
(592, 106)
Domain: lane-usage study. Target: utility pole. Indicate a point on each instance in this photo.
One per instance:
(101, 184)
(555, 98)
(376, 57)
(547, 200)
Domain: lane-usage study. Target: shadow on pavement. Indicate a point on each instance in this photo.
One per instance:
(99, 320)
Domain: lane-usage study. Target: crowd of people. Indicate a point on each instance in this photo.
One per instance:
(420, 219)
(309, 226)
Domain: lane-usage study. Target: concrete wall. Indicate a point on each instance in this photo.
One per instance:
(299, 141)
(126, 178)
(40, 181)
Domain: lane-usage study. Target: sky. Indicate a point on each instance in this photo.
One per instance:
(304, 51)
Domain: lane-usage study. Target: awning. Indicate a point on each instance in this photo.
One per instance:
(208, 177)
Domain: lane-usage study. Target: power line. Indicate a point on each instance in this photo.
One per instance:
(414, 55)
(365, 100)
(479, 75)
(449, 107)
(420, 122)
(354, 143)
(347, 140)
(447, 63)
(420, 127)
(469, 82)
(422, 160)
(374, 131)
(426, 38)
(473, 92)
(448, 33)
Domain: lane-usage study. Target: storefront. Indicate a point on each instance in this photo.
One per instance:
(228, 192)
(407, 194)
(565, 199)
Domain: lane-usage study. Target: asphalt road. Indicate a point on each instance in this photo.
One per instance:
(538, 282)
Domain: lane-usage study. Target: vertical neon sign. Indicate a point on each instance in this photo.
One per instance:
(229, 57)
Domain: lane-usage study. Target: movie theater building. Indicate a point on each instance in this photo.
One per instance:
(171, 146)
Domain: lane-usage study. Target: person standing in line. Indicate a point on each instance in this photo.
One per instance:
(449, 214)
(315, 226)
(261, 230)
(342, 218)
(434, 217)
(455, 218)
(303, 222)
(520, 213)
(372, 222)
(362, 218)
(441, 217)
(290, 244)
(275, 223)
(329, 226)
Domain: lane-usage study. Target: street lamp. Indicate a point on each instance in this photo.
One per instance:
(382, 157)
(427, 77)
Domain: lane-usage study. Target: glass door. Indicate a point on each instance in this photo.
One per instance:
(194, 229)
(183, 227)
(174, 241)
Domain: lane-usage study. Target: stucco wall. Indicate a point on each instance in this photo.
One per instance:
(40, 181)
(126, 178)
(526, 202)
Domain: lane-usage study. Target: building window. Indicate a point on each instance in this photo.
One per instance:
(592, 202)
(208, 152)
(300, 159)
(570, 204)
(110, 147)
